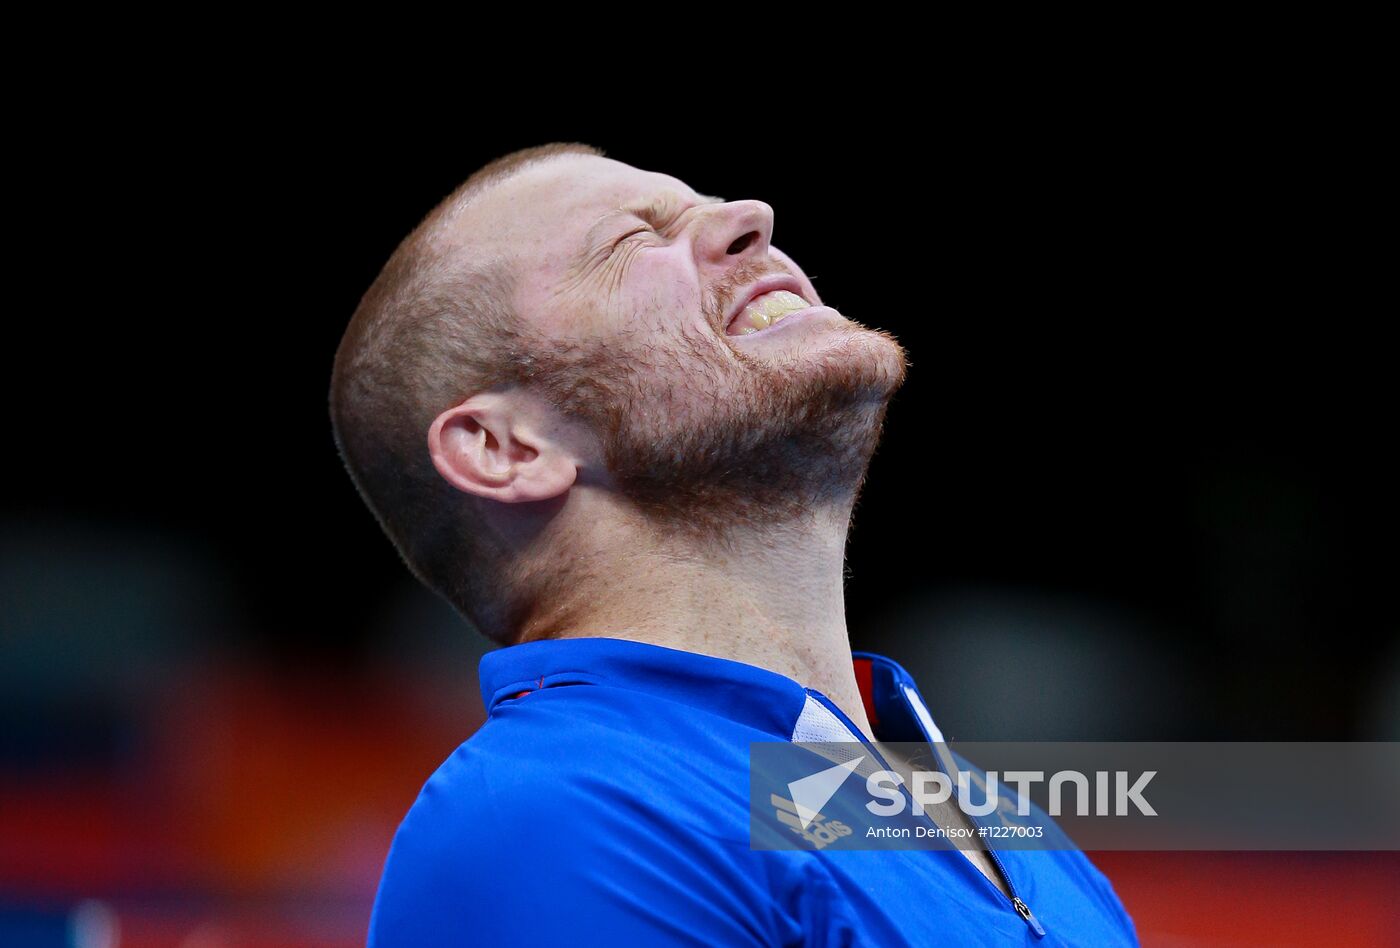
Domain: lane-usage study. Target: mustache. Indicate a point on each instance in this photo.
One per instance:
(727, 289)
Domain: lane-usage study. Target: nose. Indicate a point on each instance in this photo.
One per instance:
(732, 232)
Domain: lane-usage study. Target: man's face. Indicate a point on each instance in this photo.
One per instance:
(636, 287)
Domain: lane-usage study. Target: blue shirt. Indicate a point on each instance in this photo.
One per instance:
(606, 801)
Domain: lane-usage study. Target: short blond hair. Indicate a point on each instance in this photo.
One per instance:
(432, 330)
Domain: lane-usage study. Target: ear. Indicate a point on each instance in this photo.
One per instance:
(493, 445)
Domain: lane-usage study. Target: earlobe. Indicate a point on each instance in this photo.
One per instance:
(488, 446)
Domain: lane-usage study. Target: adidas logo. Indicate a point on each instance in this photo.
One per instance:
(802, 813)
(819, 831)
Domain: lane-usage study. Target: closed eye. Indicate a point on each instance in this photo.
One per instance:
(655, 216)
(626, 237)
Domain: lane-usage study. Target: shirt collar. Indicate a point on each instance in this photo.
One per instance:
(762, 699)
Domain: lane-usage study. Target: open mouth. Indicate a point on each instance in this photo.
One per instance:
(764, 310)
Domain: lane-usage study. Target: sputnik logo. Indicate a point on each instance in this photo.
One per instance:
(812, 793)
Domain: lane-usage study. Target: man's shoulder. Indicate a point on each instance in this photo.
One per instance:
(579, 739)
(622, 778)
(557, 802)
(506, 775)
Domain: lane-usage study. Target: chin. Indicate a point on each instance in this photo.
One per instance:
(859, 358)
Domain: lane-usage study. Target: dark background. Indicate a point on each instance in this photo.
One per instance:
(1139, 484)
(1146, 409)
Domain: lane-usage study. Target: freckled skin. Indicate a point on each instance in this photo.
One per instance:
(700, 431)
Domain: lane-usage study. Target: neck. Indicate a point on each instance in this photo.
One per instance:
(773, 597)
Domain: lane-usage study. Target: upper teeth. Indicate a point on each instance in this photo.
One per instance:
(765, 310)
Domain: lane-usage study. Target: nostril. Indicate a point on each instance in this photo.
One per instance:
(740, 245)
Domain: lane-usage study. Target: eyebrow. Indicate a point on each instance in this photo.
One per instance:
(590, 240)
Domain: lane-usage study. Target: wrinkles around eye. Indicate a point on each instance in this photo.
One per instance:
(659, 230)
(626, 237)
(611, 269)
